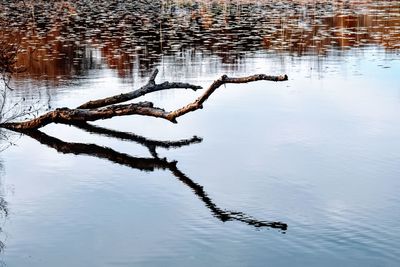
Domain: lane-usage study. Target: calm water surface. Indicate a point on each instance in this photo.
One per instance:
(319, 153)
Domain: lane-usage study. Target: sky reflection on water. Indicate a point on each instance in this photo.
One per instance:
(319, 152)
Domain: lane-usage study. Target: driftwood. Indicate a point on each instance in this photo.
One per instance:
(149, 164)
(110, 107)
(150, 87)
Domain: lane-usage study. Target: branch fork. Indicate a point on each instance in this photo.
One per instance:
(111, 106)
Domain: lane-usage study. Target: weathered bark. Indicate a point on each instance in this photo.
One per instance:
(198, 104)
(73, 116)
(150, 87)
(105, 111)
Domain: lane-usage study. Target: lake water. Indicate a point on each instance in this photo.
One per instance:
(297, 173)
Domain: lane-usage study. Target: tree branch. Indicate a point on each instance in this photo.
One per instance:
(150, 87)
(79, 115)
(73, 116)
(198, 104)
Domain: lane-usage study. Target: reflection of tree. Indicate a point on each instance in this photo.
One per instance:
(68, 40)
(148, 164)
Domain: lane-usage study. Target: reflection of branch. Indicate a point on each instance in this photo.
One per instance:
(146, 164)
(3, 212)
(223, 215)
(150, 164)
(150, 144)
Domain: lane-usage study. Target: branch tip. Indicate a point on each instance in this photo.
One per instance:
(153, 76)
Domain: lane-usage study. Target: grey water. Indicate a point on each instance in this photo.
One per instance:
(319, 154)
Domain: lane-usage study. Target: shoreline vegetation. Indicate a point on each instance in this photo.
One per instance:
(64, 37)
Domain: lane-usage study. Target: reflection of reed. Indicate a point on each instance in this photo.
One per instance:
(338, 31)
(3, 213)
(127, 35)
(148, 164)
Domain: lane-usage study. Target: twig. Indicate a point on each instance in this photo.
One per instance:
(150, 87)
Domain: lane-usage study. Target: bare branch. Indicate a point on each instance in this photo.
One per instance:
(152, 79)
(73, 116)
(150, 87)
(11, 109)
(79, 115)
(198, 104)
